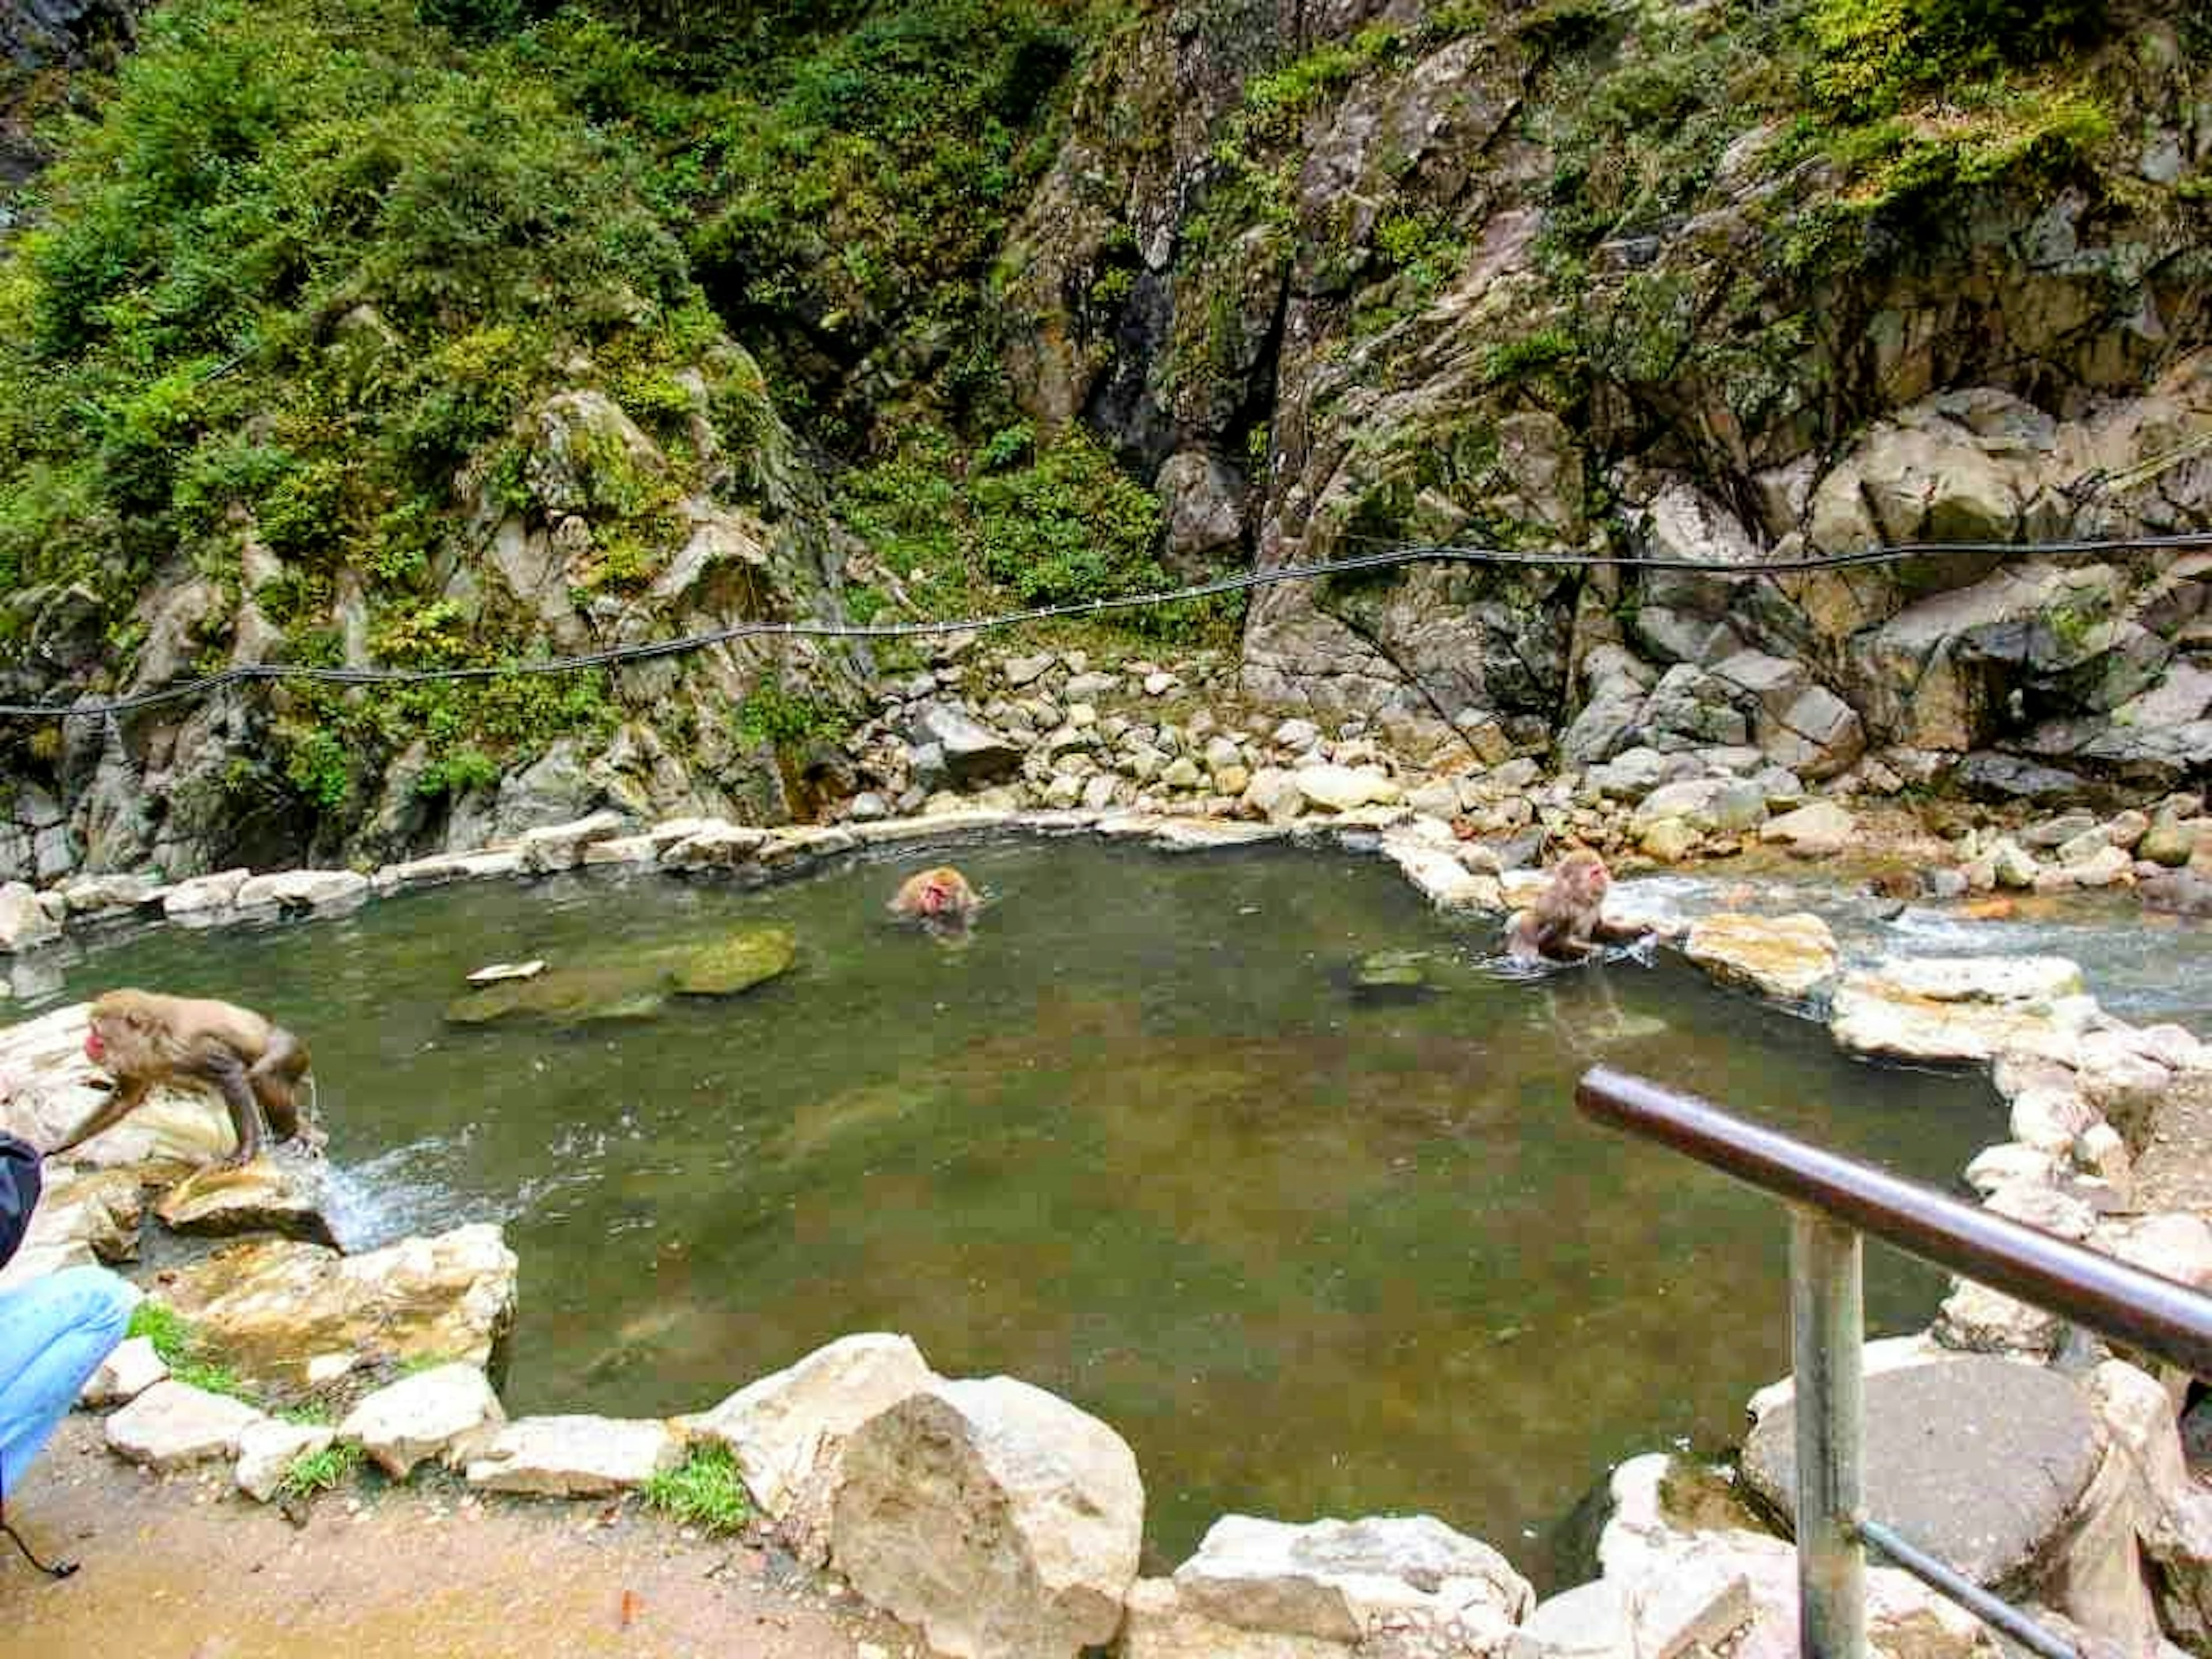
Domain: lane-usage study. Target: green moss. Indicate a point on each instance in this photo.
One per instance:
(751, 956)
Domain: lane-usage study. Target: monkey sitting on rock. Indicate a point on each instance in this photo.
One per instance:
(1566, 922)
(143, 1038)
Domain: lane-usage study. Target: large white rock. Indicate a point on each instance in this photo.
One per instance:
(1157, 1625)
(1962, 1008)
(1818, 830)
(24, 922)
(1590, 1621)
(716, 846)
(1352, 1581)
(2174, 1513)
(173, 1426)
(1789, 957)
(442, 867)
(561, 846)
(574, 1456)
(1003, 1521)
(204, 899)
(1341, 788)
(326, 893)
(444, 1412)
(780, 1427)
(1643, 1551)
(128, 1371)
(267, 1449)
(286, 1313)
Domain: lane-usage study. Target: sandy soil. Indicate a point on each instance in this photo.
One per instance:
(187, 1567)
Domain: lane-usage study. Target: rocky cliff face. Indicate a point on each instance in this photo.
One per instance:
(1370, 319)
(1334, 277)
(162, 786)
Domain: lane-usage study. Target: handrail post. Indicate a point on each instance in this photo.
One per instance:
(1827, 1327)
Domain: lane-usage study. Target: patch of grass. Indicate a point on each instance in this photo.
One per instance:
(323, 1471)
(185, 1351)
(704, 1491)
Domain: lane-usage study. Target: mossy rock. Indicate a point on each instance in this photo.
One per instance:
(1393, 970)
(566, 997)
(736, 963)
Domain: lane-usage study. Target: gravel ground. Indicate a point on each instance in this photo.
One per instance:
(187, 1567)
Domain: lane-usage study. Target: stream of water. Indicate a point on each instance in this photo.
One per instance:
(1141, 1142)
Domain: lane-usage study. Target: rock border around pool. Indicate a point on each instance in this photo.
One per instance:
(867, 1461)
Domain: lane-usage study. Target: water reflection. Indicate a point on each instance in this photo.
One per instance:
(1311, 1252)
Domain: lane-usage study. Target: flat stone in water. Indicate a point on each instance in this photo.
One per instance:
(737, 963)
(565, 996)
(1978, 1460)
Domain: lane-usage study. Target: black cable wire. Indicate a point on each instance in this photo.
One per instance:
(1436, 554)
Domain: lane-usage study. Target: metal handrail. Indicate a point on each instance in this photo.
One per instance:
(1833, 1200)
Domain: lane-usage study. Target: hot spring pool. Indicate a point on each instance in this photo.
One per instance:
(1140, 1142)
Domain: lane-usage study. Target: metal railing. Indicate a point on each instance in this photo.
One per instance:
(1833, 1200)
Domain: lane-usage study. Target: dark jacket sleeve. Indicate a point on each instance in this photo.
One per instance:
(19, 1191)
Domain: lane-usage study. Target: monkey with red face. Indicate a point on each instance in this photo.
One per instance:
(143, 1038)
(941, 899)
(1566, 923)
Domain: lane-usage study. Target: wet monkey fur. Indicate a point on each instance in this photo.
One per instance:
(941, 895)
(1566, 922)
(143, 1038)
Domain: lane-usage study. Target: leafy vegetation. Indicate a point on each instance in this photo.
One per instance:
(321, 1471)
(705, 1490)
(181, 1347)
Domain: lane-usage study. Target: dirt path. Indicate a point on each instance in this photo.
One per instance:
(187, 1567)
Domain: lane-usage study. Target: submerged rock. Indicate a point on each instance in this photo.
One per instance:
(744, 959)
(1394, 975)
(566, 997)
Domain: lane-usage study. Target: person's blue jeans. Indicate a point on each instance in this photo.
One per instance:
(54, 1332)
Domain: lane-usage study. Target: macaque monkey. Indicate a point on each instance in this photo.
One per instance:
(143, 1038)
(1566, 922)
(941, 899)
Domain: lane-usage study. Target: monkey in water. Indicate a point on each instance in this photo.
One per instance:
(143, 1038)
(1566, 922)
(941, 899)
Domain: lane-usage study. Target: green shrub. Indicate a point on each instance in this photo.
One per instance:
(1069, 527)
(1869, 54)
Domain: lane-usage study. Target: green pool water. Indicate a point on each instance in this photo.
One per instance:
(1140, 1141)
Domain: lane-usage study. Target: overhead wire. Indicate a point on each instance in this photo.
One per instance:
(1441, 553)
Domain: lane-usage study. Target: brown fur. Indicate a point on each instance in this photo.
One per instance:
(143, 1038)
(1566, 922)
(940, 895)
